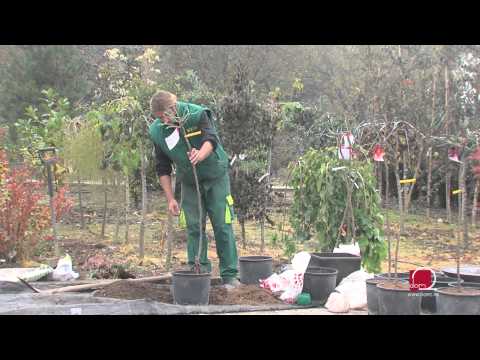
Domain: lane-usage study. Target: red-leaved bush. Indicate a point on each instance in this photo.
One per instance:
(24, 209)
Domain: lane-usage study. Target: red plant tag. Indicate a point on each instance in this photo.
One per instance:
(453, 154)
(378, 153)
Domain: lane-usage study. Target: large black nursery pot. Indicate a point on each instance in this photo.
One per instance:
(429, 301)
(395, 298)
(463, 300)
(372, 290)
(190, 288)
(255, 268)
(345, 263)
(319, 282)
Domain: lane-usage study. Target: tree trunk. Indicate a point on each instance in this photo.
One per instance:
(242, 225)
(144, 201)
(262, 221)
(380, 183)
(405, 176)
(408, 194)
(170, 228)
(463, 197)
(262, 236)
(429, 182)
(448, 176)
(127, 206)
(82, 217)
(118, 215)
(460, 196)
(105, 202)
(459, 244)
(400, 201)
(399, 186)
(387, 185)
(430, 149)
(475, 201)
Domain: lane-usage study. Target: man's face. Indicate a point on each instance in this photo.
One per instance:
(168, 115)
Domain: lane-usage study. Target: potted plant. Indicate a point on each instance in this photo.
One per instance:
(460, 299)
(336, 201)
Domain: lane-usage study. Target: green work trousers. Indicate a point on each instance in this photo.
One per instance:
(215, 202)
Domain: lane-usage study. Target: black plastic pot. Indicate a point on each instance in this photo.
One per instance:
(319, 282)
(465, 284)
(343, 262)
(372, 295)
(458, 304)
(429, 300)
(254, 268)
(397, 301)
(469, 273)
(190, 288)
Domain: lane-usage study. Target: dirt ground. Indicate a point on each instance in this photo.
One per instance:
(426, 242)
(243, 295)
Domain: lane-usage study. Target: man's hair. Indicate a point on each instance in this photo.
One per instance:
(161, 101)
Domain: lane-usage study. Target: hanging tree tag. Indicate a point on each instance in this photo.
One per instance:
(453, 154)
(345, 150)
(456, 192)
(378, 153)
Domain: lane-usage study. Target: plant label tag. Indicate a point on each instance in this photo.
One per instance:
(76, 311)
(172, 139)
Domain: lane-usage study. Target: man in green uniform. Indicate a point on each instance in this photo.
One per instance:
(211, 163)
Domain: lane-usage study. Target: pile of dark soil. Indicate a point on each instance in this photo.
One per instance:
(243, 295)
(128, 290)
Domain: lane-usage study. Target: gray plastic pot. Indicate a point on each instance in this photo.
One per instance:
(319, 282)
(190, 288)
(397, 301)
(343, 262)
(464, 284)
(372, 295)
(458, 304)
(254, 268)
(429, 301)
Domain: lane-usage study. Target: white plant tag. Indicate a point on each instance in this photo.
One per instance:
(76, 311)
(172, 139)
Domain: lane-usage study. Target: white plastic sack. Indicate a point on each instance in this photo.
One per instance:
(353, 291)
(290, 282)
(64, 270)
(337, 303)
(348, 248)
(275, 283)
(300, 261)
(294, 287)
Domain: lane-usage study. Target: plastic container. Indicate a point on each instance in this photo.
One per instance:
(319, 282)
(255, 268)
(190, 288)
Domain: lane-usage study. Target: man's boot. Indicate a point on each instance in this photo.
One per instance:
(230, 283)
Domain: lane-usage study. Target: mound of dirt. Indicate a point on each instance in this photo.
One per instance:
(243, 295)
(128, 290)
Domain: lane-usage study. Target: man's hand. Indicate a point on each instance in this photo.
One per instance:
(173, 207)
(194, 156)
